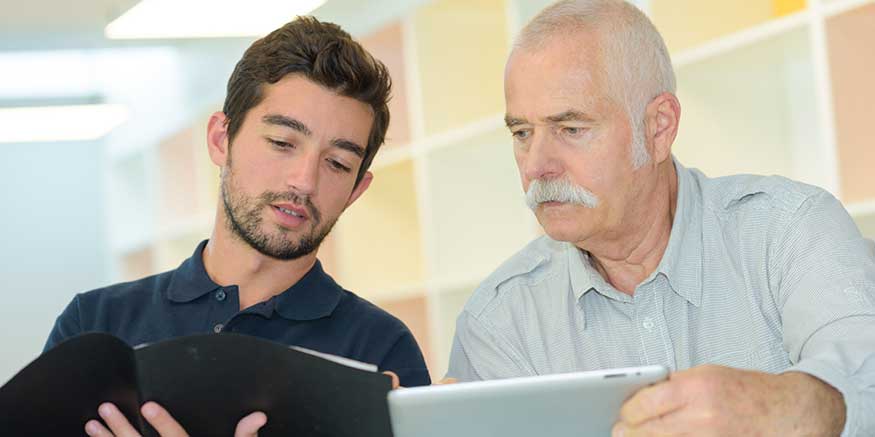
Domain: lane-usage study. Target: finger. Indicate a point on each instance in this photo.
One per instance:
(672, 424)
(162, 421)
(446, 381)
(621, 430)
(96, 429)
(116, 421)
(651, 402)
(249, 425)
(396, 382)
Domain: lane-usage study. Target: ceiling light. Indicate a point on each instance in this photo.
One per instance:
(59, 123)
(206, 18)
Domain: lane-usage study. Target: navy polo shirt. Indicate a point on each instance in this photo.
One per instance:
(315, 313)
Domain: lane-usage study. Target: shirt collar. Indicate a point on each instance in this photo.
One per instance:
(314, 296)
(681, 263)
(190, 280)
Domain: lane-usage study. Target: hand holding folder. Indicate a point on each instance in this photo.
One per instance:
(207, 382)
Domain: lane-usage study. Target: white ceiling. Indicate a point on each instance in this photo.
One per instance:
(65, 24)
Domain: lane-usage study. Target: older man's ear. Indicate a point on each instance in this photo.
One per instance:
(662, 117)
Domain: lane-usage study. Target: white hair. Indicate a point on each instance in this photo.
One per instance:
(636, 65)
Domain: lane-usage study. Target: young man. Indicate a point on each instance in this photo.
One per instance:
(305, 113)
(756, 291)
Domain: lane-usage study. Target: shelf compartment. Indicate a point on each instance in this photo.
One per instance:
(459, 66)
(750, 111)
(687, 23)
(387, 45)
(850, 37)
(414, 312)
(377, 248)
(476, 206)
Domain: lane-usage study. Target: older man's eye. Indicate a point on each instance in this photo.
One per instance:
(573, 131)
(521, 134)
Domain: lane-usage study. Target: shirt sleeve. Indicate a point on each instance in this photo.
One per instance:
(405, 359)
(480, 354)
(67, 325)
(826, 292)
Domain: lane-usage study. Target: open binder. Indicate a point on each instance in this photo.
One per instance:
(207, 382)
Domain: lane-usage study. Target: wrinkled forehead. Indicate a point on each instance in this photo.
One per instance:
(562, 73)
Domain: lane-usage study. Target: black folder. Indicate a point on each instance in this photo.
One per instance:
(207, 382)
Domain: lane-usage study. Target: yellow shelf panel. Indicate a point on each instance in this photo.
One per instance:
(750, 111)
(786, 7)
(377, 240)
(460, 46)
(479, 216)
(688, 23)
(851, 51)
(387, 45)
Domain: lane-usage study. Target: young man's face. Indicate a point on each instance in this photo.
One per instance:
(290, 171)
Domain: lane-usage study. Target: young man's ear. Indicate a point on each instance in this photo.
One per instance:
(360, 188)
(217, 138)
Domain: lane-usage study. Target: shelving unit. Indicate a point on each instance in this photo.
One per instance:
(766, 86)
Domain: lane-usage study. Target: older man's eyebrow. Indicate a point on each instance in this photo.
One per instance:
(291, 123)
(570, 115)
(513, 121)
(349, 146)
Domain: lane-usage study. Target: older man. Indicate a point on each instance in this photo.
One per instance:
(756, 291)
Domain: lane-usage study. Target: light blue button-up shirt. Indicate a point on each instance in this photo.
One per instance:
(760, 273)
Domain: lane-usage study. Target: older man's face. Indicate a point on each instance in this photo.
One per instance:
(567, 131)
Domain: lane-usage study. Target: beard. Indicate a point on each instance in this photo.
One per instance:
(243, 214)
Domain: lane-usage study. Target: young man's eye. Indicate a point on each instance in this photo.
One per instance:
(338, 166)
(281, 144)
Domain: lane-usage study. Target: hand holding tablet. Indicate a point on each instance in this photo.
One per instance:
(571, 404)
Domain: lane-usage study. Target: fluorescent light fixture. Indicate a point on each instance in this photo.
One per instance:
(206, 18)
(59, 123)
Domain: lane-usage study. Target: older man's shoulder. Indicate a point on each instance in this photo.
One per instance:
(529, 266)
(737, 193)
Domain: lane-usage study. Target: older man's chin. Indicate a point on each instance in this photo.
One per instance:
(568, 228)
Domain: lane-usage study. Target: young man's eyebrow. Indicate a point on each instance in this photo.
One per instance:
(291, 123)
(349, 146)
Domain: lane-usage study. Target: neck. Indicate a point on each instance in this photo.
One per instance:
(231, 261)
(628, 254)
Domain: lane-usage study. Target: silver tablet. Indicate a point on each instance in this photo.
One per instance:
(563, 405)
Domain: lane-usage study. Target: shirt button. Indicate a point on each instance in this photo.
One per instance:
(648, 324)
(221, 295)
(218, 328)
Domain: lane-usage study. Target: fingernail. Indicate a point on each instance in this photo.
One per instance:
(149, 411)
(105, 410)
(91, 428)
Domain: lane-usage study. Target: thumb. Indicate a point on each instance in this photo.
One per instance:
(249, 425)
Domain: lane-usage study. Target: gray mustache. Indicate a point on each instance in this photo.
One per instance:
(559, 190)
